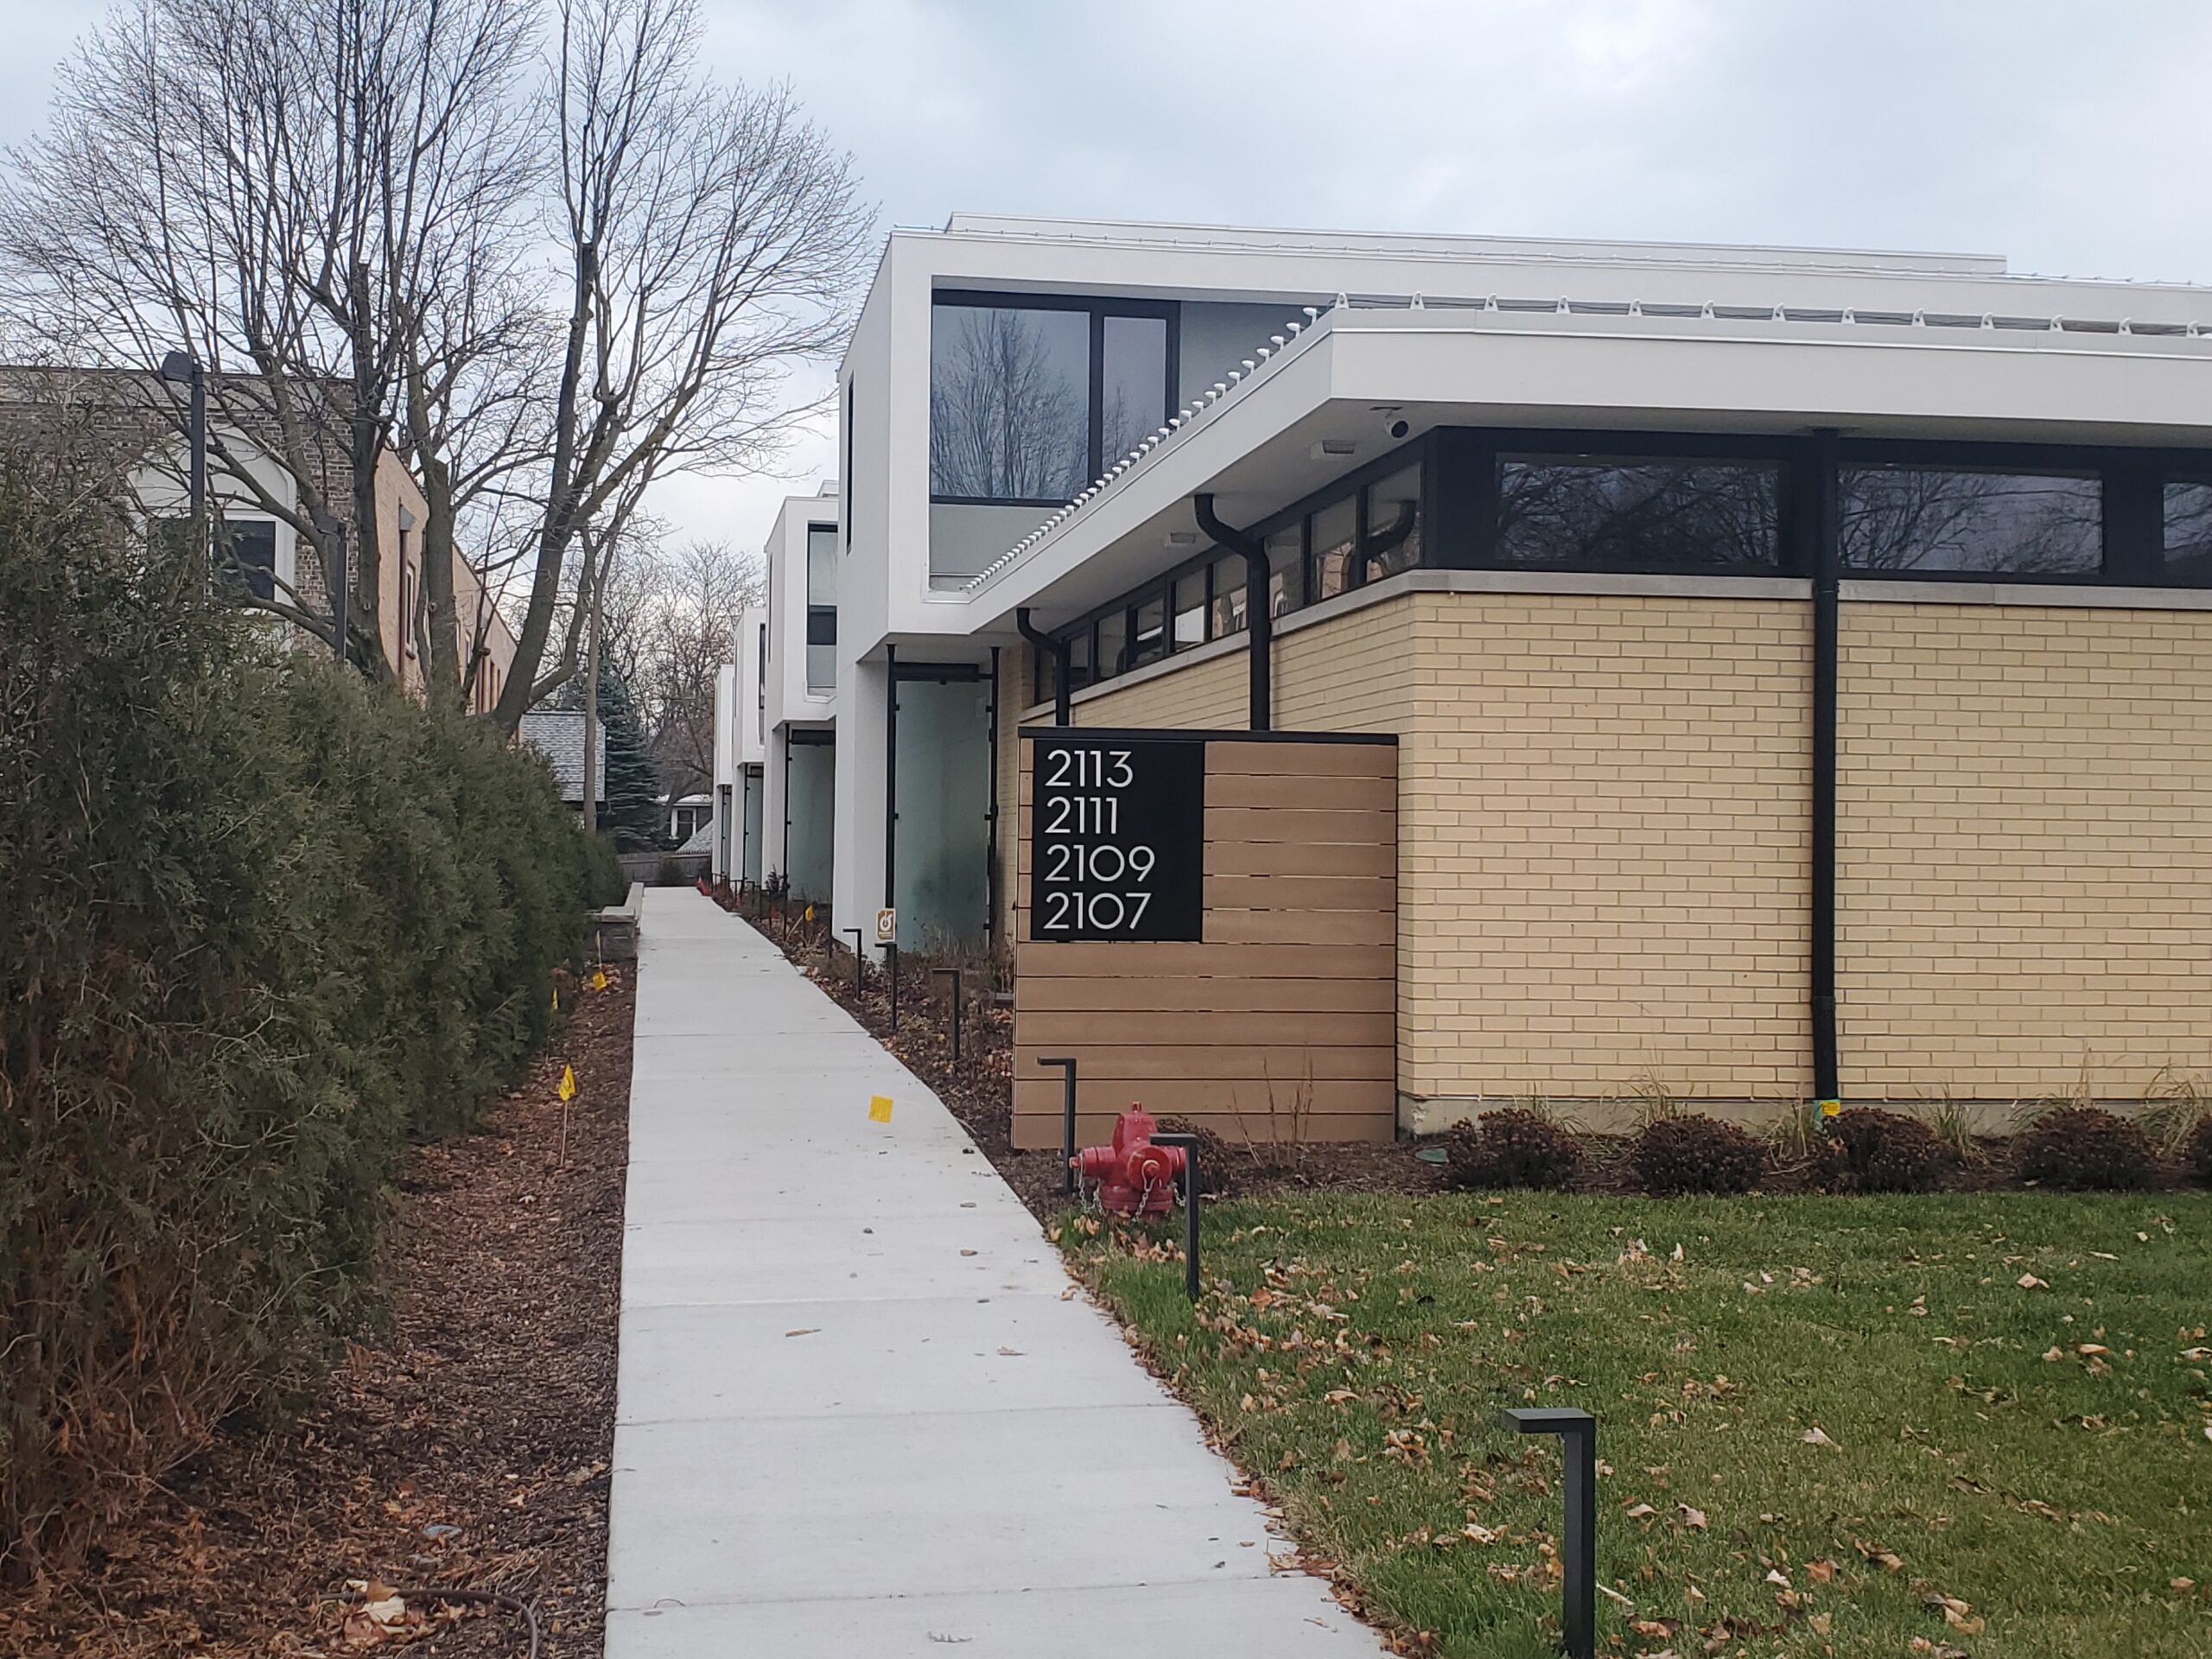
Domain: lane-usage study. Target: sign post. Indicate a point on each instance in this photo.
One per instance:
(886, 939)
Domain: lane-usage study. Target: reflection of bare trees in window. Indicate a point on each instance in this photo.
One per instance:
(1008, 415)
(2188, 541)
(1917, 518)
(1665, 515)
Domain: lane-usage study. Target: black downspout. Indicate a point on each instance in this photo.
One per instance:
(1261, 621)
(1063, 692)
(890, 776)
(1827, 537)
(991, 837)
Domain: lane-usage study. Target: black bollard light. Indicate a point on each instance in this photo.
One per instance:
(940, 973)
(1190, 1145)
(860, 958)
(1067, 1121)
(1578, 1434)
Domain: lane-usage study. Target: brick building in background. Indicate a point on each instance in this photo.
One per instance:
(1799, 661)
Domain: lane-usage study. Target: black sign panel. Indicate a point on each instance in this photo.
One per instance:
(1117, 838)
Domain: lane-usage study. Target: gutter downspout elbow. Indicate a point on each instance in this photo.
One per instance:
(1259, 619)
(1063, 693)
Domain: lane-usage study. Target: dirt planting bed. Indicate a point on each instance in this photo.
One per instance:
(464, 1445)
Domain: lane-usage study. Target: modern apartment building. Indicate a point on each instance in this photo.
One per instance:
(1797, 662)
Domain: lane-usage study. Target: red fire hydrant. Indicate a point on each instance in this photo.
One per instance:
(1135, 1177)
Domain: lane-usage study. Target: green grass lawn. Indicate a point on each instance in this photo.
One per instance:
(2010, 1392)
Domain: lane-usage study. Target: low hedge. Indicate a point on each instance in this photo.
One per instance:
(260, 923)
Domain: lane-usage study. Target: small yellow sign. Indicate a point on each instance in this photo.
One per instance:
(879, 1108)
(568, 1082)
(598, 980)
(1831, 1109)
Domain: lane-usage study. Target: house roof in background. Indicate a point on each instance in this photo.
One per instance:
(558, 734)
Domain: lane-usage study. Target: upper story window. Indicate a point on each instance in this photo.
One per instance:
(1581, 512)
(821, 606)
(2186, 546)
(1972, 522)
(1033, 398)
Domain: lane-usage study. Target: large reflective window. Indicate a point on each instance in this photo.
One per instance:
(1150, 642)
(1229, 580)
(1394, 523)
(821, 606)
(1285, 569)
(1009, 403)
(2187, 545)
(1335, 529)
(1578, 512)
(1190, 610)
(1132, 385)
(1927, 519)
(1113, 644)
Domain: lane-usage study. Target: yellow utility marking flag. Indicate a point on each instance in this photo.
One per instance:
(598, 980)
(810, 913)
(879, 1108)
(556, 999)
(568, 1082)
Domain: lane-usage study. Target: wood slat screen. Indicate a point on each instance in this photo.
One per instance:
(1280, 1023)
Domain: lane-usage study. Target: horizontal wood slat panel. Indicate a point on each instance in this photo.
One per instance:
(1283, 1022)
(1252, 1063)
(1055, 1031)
(1373, 828)
(1300, 858)
(1303, 760)
(1300, 927)
(1037, 993)
(1239, 1125)
(1302, 794)
(1186, 960)
(1377, 894)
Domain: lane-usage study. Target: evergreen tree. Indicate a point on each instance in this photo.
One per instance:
(629, 807)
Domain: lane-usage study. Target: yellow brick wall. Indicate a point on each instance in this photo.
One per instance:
(1603, 832)
(1211, 693)
(2024, 850)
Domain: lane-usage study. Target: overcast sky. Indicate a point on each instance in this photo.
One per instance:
(2072, 137)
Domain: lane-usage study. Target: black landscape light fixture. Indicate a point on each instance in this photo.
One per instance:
(860, 960)
(1067, 1118)
(1190, 1144)
(940, 973)
(1578, 1432)
(181, 368)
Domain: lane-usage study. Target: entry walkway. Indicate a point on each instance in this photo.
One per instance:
(855, 1416)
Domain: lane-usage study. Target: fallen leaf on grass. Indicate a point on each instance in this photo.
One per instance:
(2196, 1353)
(1820, 1572)
(1641, 1512)
(1957, 1614)
(1692, 1517)
(2029, 1282)
(1816, 1436)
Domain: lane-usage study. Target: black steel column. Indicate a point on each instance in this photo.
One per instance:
(991, 820)
(890, 774)
(1827, 559)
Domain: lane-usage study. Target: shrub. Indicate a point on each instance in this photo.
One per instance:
(1512, 1148)
(1215, 1180)
(1675, 1155)
(2196, 1153)
(1873, 1151)
(259, 924)
(2082, 1147)
(608, 885)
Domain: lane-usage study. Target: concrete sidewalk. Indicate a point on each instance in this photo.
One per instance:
(855, 1416)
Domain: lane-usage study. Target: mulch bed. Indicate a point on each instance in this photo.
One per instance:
(980, 1091)
(465, 1446)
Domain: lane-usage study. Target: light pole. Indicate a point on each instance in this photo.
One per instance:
(182, 369)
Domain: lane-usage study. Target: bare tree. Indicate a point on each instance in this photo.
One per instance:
(712, 237)
(288, 194)
(381, 232)
(687, 631)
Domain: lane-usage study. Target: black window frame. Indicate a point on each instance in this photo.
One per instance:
(1461, 472)
(1098, 309)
